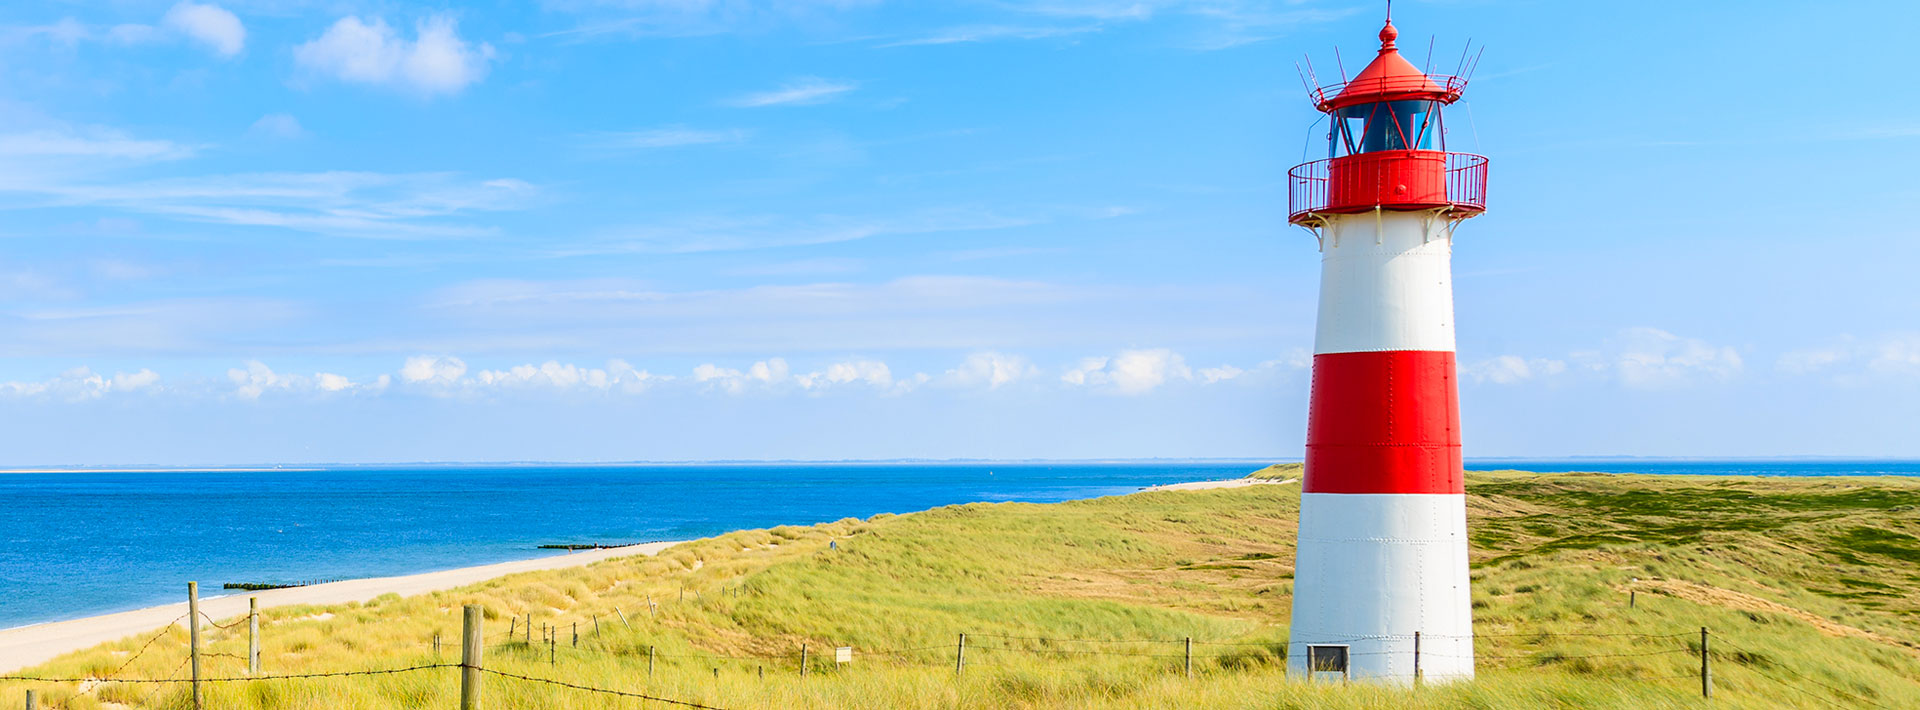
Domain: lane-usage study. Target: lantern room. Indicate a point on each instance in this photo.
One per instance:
(1387, 146)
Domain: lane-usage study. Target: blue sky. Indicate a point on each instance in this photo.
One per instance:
(586, 230)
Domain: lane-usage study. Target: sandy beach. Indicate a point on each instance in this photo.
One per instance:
(32, 645)
(1212, 485)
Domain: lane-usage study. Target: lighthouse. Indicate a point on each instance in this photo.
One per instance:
(1380, 578)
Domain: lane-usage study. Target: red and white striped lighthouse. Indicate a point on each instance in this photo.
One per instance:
(1383, 532)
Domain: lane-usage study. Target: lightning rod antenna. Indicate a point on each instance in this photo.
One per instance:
(1475, 66)
(1342, 64)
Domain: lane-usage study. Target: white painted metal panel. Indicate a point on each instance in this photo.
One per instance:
(1385, 283)
(1372, 569)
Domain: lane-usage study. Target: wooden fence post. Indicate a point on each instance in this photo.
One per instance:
(253, 636)
(803, 660)
(649, 661)
(960, 656)
(193, 637)
(1706, 669)
(513, 627)
(470, 647)
(31, 704)
(576, 634)
(1189, 657)
(550, 651)
(436, 647)
(623, 618)
(596, 624)
(1417, 676)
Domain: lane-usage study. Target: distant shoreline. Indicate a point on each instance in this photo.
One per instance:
(1488, 463)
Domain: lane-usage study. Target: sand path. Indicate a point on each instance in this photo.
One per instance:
(32, 645)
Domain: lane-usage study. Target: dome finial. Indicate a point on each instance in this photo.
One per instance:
(1387, 35)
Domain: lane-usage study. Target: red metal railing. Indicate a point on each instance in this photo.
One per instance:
(1363, 182)
(1389, 88)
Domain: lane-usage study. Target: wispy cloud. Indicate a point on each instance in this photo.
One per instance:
(664, 137)
(88, 142)
(990, 33)
(728, 233)
(798, 92)
(341, 203)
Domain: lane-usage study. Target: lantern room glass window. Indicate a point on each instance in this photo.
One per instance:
(1388, 125)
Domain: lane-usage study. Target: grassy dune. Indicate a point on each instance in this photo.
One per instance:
(1808, 581)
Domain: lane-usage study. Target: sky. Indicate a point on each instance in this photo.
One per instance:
(243, 231)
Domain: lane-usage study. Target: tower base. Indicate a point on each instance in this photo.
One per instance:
(1373, 569)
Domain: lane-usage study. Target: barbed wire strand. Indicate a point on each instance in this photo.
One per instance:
(603, 691)
(164, 631)
(236, 679)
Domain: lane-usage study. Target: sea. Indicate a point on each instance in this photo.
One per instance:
(81, 543)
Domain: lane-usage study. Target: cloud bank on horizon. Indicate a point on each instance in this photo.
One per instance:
(609, 230)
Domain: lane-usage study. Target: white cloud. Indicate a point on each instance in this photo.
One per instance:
(1650, 358)
(1210, 375)
(331, 382)
(1131, 371)
(802, 91)
(208, 24)
(256, 379)
(771, 371)
(432, 369)
(436, 61)
(989, 369)
(278, 125)
(80, 384)
(870, 372)
(1850, 360)
(1513, 369)
(553, 374)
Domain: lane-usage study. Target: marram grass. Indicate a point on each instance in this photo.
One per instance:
(1808, 585)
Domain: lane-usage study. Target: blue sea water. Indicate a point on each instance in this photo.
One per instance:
(85, 543)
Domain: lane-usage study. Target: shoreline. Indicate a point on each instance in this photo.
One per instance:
(34, 644)
(1216, 485)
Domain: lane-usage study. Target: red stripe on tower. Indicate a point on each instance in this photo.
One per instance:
(1384, 422)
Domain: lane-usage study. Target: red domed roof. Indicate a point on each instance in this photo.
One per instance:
(1389, 78)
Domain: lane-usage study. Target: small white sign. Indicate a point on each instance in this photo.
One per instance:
(843, 654)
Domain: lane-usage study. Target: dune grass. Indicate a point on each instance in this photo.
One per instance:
(1808, 585)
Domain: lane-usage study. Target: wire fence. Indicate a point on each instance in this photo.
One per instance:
(555, 642)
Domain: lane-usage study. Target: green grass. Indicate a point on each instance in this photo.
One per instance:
(1806, 580)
